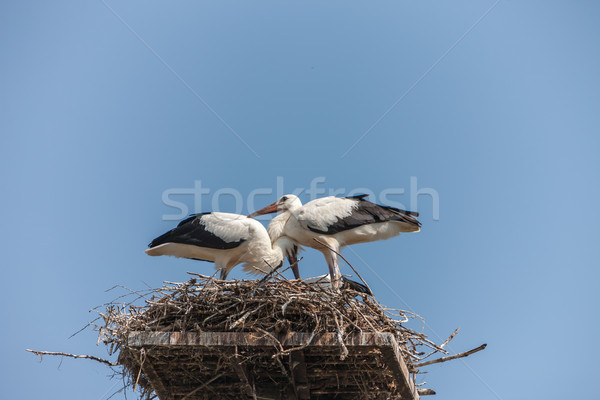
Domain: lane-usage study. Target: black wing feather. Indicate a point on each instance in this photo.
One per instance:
(369, 213)
(192, 231)
(357, 197)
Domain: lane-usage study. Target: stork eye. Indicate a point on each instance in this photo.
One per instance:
(283, 199)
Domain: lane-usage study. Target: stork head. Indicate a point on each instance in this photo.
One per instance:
(288, 202)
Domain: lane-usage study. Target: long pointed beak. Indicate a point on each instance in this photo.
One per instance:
(271, 208)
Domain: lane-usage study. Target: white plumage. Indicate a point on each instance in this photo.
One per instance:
(225, 239)
(336, 222)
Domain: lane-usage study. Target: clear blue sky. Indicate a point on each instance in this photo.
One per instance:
(504, 127)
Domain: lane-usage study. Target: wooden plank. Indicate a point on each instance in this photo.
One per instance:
(241, 371)
(383, 344)
(393, 359)
(250, 339)
(301, 384)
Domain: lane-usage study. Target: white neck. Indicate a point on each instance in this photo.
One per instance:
(277, 224)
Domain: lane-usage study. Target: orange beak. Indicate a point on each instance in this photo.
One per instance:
(271, 208)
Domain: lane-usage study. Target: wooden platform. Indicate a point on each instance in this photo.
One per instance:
(241, 365)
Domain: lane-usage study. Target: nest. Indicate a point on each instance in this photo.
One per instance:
(269, 310)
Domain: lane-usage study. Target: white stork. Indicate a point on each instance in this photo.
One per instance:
(225, 239)
(336, 222)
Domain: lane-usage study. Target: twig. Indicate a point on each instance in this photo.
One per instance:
(449, 338)
(142, 361)
(340, 336)
(41, 354)
(267, 276)
(444, 359)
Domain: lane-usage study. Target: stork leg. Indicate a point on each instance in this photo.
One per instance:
(292, 256)
(224, 274)
(293, 260)
(334, 270)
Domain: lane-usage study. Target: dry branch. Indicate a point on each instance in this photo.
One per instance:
(41, 354)
(454, 357)
(449, 338)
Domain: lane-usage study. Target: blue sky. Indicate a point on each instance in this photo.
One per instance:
(107, 105)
